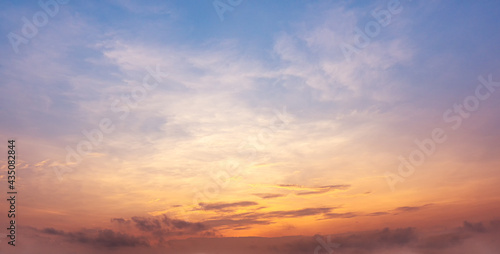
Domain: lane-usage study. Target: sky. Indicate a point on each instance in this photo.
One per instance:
(223, 126)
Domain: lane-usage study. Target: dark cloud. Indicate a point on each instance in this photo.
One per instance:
(157, 227)
(101, 238)
(163, 227)
(52, 231)
(268, 195)
(324, 189)
(246, 219)
(314, 190)
(474, 227)
(407, 209)
(387, 240)
(191, 227)
(120, 220)
(371, 240)
(238, 220)
(302, 245)
(109, 238)
(400, 236)
(165, 223)
(403, 209)
(377, 214)
(442, 241)
(495, 225)
(226, 206)
(339, 215)
(242, 228)
(146, 224)
(289, 185)
(296, 213)
(464, 239)
(236, 223)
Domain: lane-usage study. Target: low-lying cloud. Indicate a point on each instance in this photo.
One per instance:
(463, 239)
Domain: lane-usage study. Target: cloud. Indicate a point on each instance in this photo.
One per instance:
(299, 189)
(52, 231)
(289, 185)
(442, 241)
(120, 220)
(236, 224)
(339, 215)
(324, 189)
(217, 94)
(297, 213)
(495, 225)
(404, 209)
(165, 226)
(100, 238)
(382, 241)
(146, 224)
(377, 213)
(474, 227)
(150, 227)
(191, 227)
(463, 239)
(239, 220)
(109, 238)
(283, 213)
(269, 195)
(226, 206)
(401, 209)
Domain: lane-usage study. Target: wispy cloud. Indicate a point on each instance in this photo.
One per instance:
(226, 206)
(268, 195)
(99, 238)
